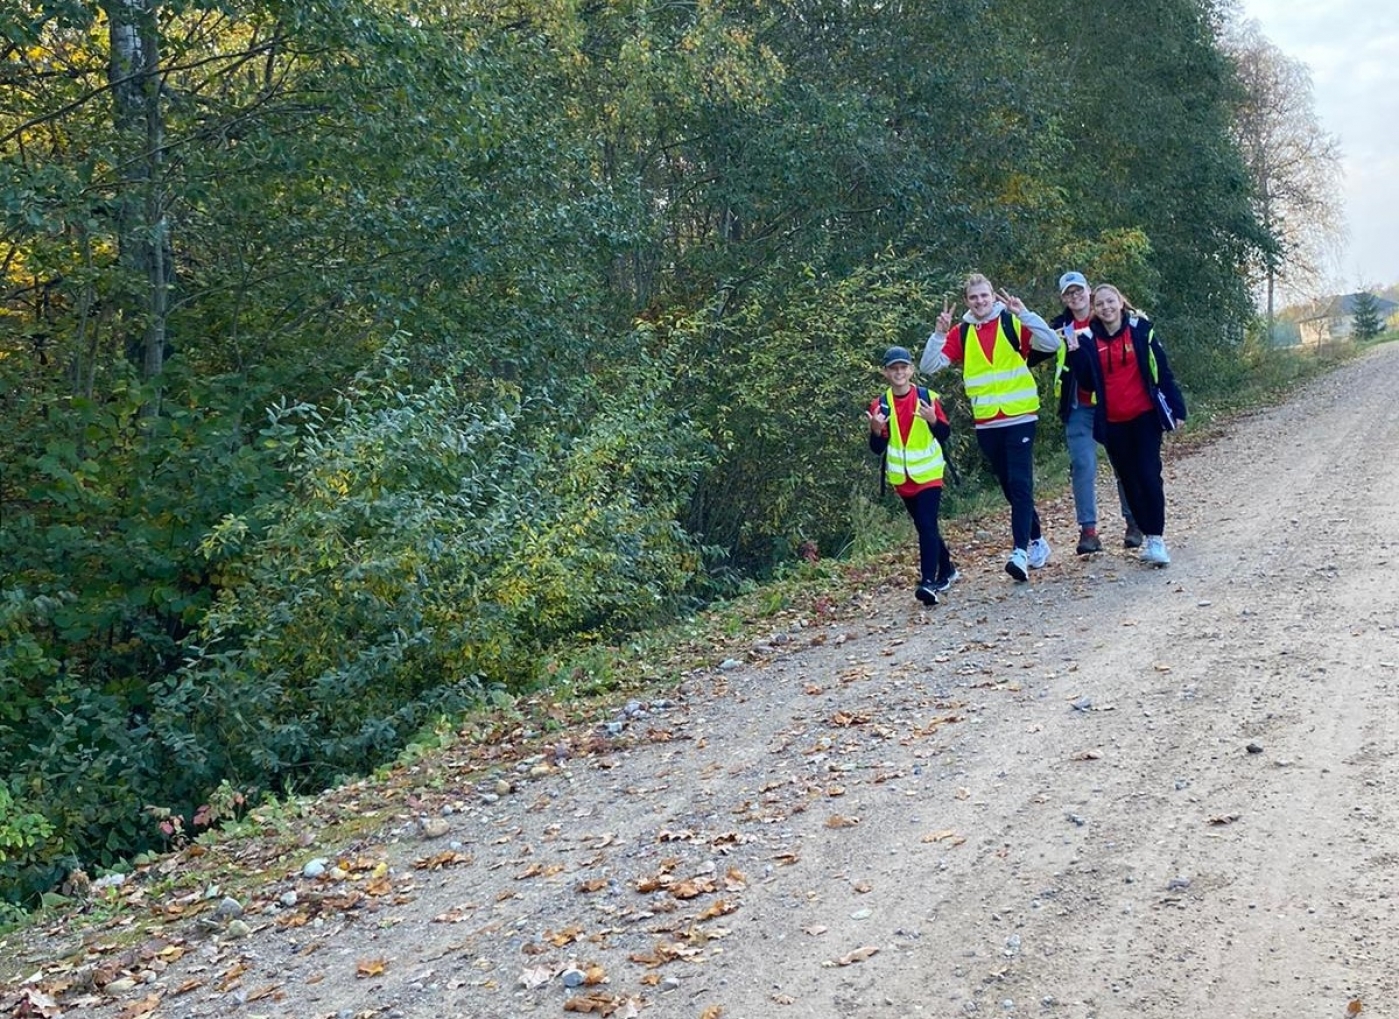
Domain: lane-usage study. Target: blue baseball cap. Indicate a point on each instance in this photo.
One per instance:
(897, 355)
(1070, 279)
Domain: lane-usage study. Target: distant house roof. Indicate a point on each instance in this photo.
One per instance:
(1344, 306)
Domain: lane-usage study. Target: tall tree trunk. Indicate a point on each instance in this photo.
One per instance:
(142, 228)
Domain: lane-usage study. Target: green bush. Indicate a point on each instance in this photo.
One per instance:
(427, 551)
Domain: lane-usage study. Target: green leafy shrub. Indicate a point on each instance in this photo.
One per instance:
(427, 550)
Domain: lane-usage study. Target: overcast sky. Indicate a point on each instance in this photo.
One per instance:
(1352, 49)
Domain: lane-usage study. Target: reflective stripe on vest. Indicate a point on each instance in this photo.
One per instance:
(1002, 385)
(1062, 375)
(921, 460)
(1134, 324)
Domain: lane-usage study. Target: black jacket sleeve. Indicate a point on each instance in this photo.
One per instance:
(1166, 380)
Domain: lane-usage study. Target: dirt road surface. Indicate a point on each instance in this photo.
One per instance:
(1111, 792)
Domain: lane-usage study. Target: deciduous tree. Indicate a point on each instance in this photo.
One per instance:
(1294, 166)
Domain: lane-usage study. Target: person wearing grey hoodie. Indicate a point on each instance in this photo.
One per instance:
(994, 343)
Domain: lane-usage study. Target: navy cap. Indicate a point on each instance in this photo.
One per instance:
(897, 355)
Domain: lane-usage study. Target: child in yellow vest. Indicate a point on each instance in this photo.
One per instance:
(908, 427)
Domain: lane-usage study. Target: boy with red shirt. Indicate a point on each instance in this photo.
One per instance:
(908, 427)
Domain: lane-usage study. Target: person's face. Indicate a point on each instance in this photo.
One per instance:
(980, 299)
(899, 376)
(1076, 299)
(1108, 306)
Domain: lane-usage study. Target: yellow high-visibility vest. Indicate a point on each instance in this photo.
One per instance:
(921, 459)
(1002, 385)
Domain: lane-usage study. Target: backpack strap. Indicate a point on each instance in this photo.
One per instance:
(1008, 329)
(925, 395)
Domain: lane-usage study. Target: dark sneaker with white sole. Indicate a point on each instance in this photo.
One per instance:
(1088, 542)
(926, 594)
(1133, 537)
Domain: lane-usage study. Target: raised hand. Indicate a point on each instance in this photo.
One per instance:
(1015, 304)
(945, 319)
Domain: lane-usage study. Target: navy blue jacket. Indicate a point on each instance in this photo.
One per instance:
(1162, 388)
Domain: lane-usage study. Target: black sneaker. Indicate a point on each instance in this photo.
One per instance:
(1088, 542)
(942, 585)
(1133, 537)
(926, 594)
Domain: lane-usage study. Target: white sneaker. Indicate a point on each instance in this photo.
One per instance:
(1039, 554)
(1154, 551)
(1018, 565)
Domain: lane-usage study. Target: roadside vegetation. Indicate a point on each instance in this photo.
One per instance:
(369, 365)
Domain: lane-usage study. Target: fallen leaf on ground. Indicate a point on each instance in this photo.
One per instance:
(719, 908)
(564, 937)
(268, 991)
(859, 955)
(603, 1005)
(454, 915)
(1220, 819)
(1354, 1007)
(692, 889)
(136, 1009)
(371, 967)
(946, 835)
(840, 821)
(445, 859)
(663, 952)
(36, 1003)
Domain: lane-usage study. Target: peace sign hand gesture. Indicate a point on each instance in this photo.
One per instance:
(945, 319)
(1015, 304)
